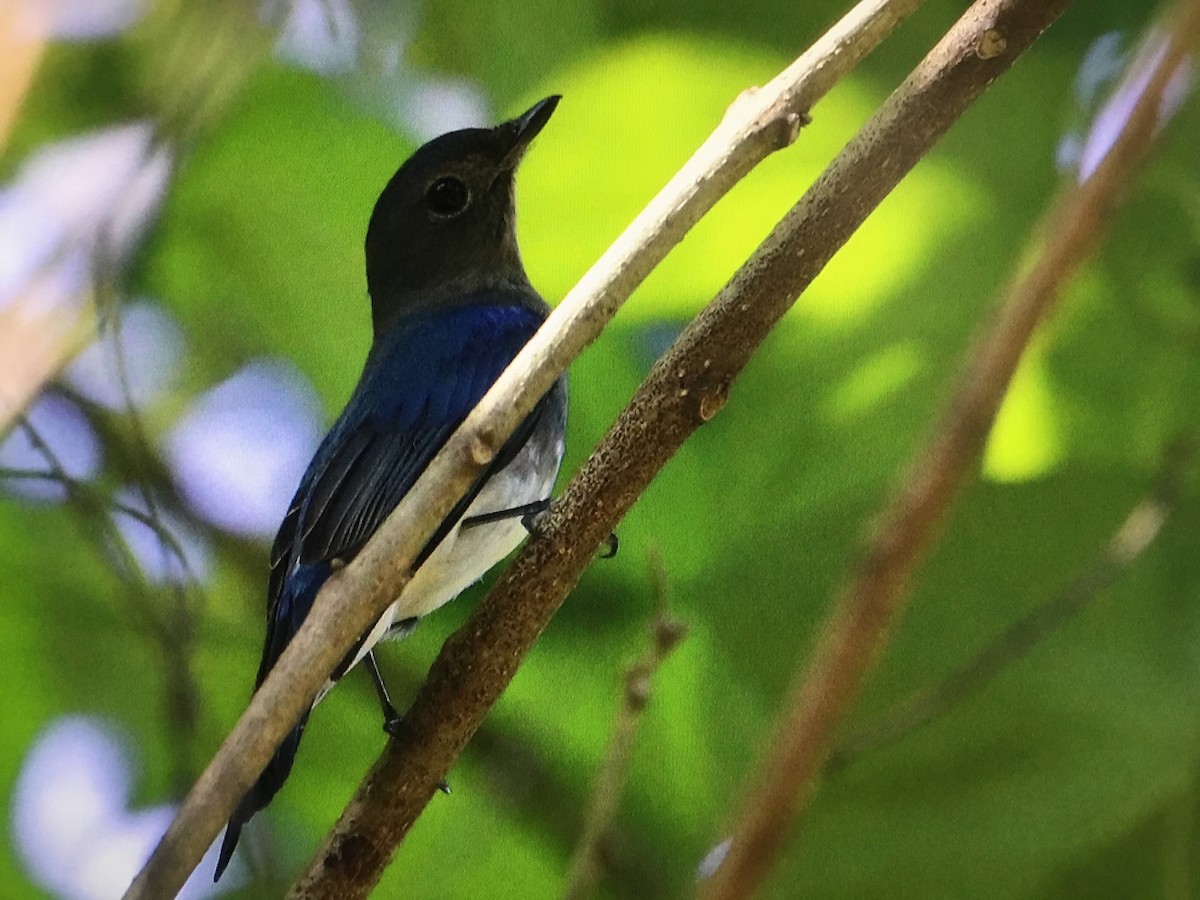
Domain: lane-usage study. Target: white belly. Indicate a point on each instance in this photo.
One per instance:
(464, 555)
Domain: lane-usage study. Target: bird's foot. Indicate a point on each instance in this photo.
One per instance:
(526, 512)
(611, 546)
(535, 524)
(533, 518)
(395, 728)
(534, 521)
(393, 723)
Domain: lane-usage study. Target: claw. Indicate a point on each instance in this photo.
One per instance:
(533, 522)
(611, 546)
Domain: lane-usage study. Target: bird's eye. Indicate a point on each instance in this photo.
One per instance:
(447, 197)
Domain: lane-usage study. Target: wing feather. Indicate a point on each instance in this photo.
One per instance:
(419, 383)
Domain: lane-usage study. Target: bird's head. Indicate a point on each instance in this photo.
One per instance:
(447, 220)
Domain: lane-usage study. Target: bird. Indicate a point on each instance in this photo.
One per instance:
(451, 306)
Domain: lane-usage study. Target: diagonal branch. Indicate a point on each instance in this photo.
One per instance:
(855, 633)
(686, 388)
(759, 122)
(666, 633)
(1132, 539)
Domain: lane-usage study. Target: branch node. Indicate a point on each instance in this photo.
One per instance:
(990, 44)
(712, 402)
(668, 632)
(792, 124)
(637, 688)
(482, 450)
(742, 101)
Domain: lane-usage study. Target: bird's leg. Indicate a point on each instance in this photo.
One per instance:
(391, 719)
(531, 517)
(393, 722)
(526, 512)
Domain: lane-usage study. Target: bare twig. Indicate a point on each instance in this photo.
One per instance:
(856, 630)
(666, 632)
(177, 637)
(1135, 535)
(758, 123)
(686, 388)
(96, 509)
(90, 499)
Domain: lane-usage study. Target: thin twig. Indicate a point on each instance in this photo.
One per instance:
(666, 632)
(1136, 534)
(759, 123)
(91, 499)
(686, 388)
(856, 631)
(86, 494)
(177, 640)
(86, 500)
(181, 698)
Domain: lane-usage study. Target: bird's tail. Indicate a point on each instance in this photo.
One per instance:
(267, 786)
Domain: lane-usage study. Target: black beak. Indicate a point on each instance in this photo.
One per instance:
(525, 127)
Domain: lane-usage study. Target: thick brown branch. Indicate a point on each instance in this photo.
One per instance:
(760, 122)
(856, 630)
(685, 389)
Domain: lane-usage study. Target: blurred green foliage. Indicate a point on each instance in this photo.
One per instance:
(1072, 775)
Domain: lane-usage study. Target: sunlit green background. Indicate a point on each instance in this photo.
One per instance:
(1074, 774)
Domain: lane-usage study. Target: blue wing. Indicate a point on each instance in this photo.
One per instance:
(421, 379)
